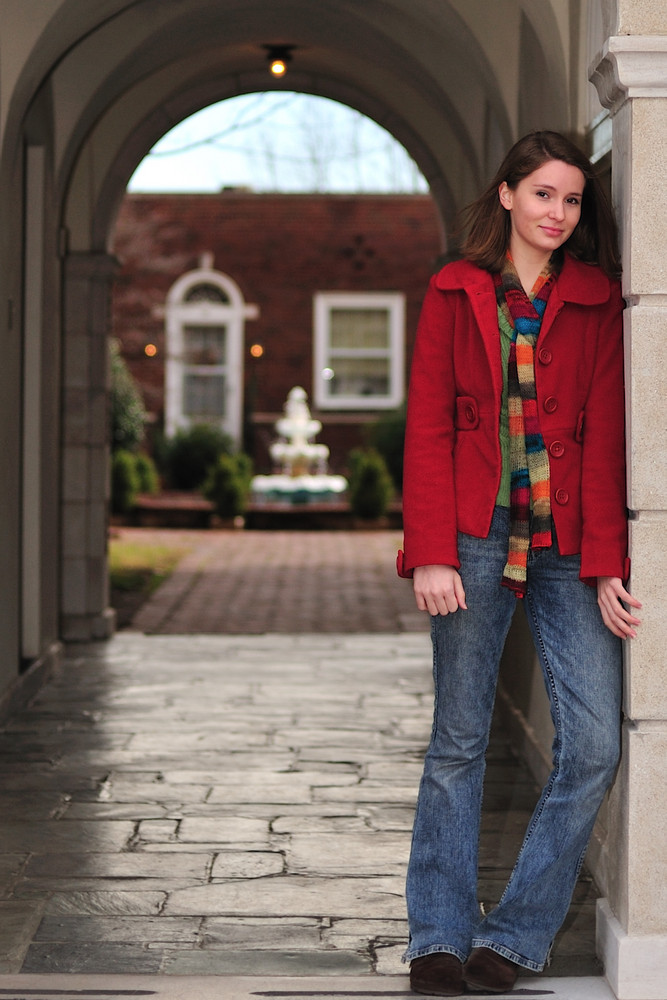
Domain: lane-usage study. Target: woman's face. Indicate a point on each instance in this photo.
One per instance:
(545, 208)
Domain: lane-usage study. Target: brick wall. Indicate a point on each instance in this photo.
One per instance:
(280, 250)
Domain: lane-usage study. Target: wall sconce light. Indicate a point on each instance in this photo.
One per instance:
(278, 57)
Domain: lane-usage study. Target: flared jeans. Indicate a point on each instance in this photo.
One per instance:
(581, 663)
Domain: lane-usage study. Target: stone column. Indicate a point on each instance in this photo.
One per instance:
(86, 614)
(631, 78)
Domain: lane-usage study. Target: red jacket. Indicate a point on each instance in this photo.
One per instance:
(452, 452)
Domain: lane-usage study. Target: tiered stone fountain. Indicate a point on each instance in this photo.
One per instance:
(302, 464)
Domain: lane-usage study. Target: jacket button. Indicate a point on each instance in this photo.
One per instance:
(545, 356)
(550, 404)
(470, 414)
(562, 496)
(557, 448)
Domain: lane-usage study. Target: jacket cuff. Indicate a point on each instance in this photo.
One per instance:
(405, 574)
(625, 575)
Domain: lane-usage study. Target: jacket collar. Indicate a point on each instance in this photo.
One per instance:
(584, 284)
(581, 283)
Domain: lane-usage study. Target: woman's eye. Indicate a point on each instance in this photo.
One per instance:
(542, 194)
(573, 201)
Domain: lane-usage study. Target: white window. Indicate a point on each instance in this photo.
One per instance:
(359, 350)
(204, 375)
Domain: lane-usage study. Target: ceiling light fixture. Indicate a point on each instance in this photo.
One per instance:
(278, 57)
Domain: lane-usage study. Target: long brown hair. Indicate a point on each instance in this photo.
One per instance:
(488, 224)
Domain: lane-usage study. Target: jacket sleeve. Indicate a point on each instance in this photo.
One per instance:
(429, 506)
(604, 542)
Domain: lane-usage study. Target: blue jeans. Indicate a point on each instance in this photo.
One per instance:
(581, 663)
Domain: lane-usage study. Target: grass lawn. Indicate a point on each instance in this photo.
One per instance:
(136, 570)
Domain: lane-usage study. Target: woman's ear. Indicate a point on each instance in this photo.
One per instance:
(505, 195)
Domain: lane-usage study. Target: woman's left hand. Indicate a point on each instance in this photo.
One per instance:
(616, 617)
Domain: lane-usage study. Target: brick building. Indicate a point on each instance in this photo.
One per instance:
(224, 302)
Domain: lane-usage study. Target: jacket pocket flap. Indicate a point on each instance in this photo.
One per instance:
(467, 413)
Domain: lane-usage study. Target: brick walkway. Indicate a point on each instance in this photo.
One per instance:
(289, 582)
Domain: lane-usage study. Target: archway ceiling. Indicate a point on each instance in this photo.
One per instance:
(133, 69)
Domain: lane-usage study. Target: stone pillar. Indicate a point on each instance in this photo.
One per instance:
(631, 78)
(86, 614)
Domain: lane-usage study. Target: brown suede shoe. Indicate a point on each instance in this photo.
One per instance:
(488, 972)
(439, 975)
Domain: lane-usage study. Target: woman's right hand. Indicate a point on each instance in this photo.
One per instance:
(438, 589)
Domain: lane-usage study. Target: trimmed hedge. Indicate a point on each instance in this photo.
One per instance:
(228, 485)
(371, 486)
(190, 454)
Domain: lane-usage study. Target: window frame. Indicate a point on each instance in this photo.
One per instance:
(230, 315)
(324, 354)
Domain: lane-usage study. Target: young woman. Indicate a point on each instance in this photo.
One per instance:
(514, 486)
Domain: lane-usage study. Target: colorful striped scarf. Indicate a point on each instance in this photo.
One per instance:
(530, 506)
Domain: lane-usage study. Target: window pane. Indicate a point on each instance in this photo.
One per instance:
(360, 377)
(206, 293)
(204, 345)
(359, 328)
(204, 395)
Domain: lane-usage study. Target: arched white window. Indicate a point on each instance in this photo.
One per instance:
(205, 318)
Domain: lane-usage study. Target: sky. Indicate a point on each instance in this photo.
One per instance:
(278, 141)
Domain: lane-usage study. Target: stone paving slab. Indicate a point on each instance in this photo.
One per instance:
(232, 987)
(206, 805)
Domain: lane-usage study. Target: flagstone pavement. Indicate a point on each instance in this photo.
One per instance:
(184, 807)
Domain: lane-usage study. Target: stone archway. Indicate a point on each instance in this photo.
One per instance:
(90, 90)
(417, 110)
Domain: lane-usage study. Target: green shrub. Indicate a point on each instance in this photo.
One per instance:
(228, 485)
(371, 486)
(160, 450)
(149, 481)
(128, 414)
(124, 481)
(245, 467)
(190, 455)
(387, 436)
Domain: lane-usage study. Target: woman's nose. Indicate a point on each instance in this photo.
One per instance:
(557, 211)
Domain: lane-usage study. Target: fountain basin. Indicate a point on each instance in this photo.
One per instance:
(298, 489)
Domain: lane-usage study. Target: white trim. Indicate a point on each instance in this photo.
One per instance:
(323, 355)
